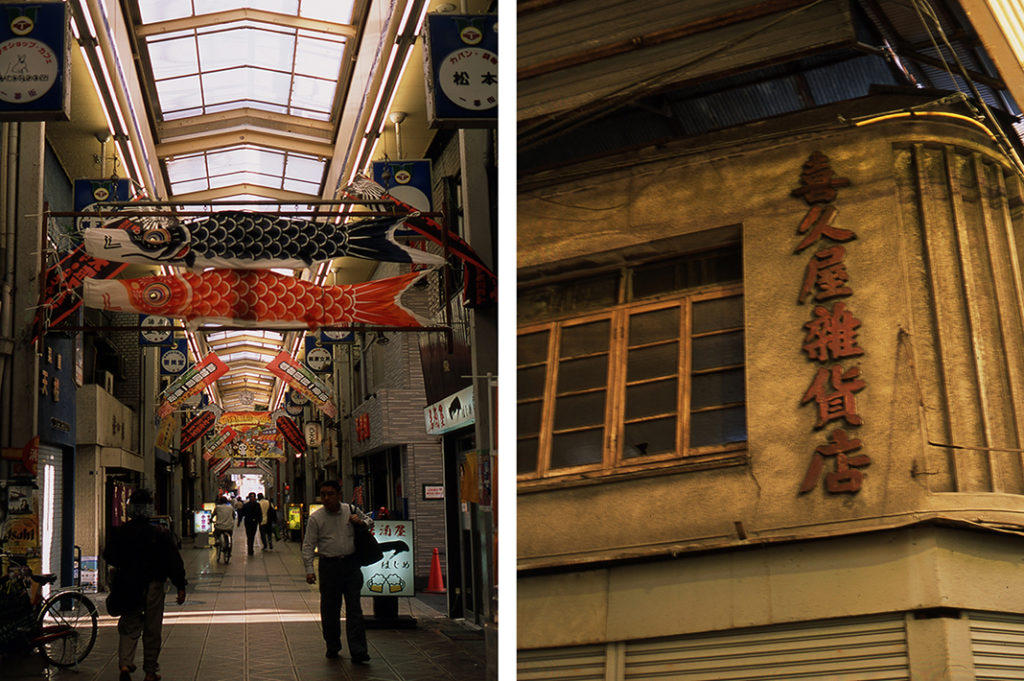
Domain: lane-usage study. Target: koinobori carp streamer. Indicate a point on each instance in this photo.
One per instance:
(250, 240)
(257, 298)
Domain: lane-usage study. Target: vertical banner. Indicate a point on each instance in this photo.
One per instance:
(35, 62)
(461, 56)
(302, 380)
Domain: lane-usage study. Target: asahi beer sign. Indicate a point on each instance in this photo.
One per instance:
(34, 51)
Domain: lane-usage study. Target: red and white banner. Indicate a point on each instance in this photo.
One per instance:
(298, 376)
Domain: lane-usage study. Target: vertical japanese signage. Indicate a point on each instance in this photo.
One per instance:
(830, 341)
(392, 575)
(462, 70)
(35, 51)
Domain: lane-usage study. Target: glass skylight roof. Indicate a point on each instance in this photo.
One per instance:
(246, 64)
(245, 164)
(337, 11)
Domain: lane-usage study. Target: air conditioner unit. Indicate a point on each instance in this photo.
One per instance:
(108, 382)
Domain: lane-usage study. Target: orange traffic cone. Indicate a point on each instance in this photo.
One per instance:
(435, 585)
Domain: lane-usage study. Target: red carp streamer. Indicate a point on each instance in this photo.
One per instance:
(258, 298)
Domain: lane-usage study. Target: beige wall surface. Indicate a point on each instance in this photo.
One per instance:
(911, 569)
(936, 286)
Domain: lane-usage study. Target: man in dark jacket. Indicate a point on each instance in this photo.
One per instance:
(252, 514)
(144, 556)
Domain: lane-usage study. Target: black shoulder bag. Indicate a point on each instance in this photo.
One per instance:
(368, 551)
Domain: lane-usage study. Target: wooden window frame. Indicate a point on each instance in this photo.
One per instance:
(612, 461)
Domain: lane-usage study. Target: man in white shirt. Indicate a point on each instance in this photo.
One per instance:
(329, 531)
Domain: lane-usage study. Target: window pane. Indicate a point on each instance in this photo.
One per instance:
(575, 411)
(528, 417)
(533, 347)
(718, 427)
(720, 350)
(581, 374)
(576, 449)
(650, 437)
(648, 399)
(171, 58)
(654, 279)
(526, 455)
(652, 362)
(649, 327)
(530, 381)
(720, 313)
(721, 387)
(584, 339)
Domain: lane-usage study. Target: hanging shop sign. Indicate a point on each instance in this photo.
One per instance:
(198, 426)
(148, 335)
(35, 60)
(408, 181)
(336, 336)
(393, 574)
(250, 240)
(831, 334)
(461, 53)
(91, 195)
(454, 411)
(192, 381)
(25, 459)
(257, 299)
(290, 430)
(302, 380)
(174, 358)
(218, 442)
(318, 358)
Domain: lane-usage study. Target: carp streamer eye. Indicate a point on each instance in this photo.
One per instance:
(156, 237)
(157, 294)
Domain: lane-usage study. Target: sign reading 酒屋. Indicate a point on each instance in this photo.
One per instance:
(393, 574)
(831, 338)
(454, 411)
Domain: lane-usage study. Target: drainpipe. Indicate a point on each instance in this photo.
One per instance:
(8, 216)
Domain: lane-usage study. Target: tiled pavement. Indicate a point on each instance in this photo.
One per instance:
(256, 619)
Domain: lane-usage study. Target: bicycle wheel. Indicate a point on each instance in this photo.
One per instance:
(67, 623)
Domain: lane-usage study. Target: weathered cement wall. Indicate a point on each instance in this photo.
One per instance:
(936, 287)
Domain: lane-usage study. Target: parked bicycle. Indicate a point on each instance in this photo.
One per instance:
(62, 626)
(223, 544)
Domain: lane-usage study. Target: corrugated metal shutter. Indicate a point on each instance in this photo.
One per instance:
(579, 663)
(997, 642)
(855, 649)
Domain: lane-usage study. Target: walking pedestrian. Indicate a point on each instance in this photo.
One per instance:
(266, 538)
(252, 515)
(144, 556)
(329, 530)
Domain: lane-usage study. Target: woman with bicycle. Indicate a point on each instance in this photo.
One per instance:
(223, 526)
(144, 556)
